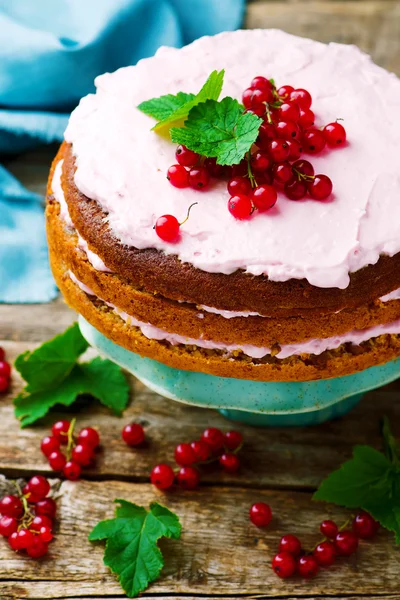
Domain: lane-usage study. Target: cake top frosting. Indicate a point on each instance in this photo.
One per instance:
(122, 164)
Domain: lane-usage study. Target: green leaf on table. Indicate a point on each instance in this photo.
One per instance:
(132, 551)
(54, 376)
(219, 129)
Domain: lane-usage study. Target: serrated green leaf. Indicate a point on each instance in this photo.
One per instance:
(107, 383)
(131, 549)
(220, 130)
(165, 106)
(49, 364)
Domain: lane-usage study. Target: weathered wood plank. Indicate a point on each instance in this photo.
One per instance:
(373, 25)
(215, 520)
(288, 458)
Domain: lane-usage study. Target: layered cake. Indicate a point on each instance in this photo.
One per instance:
(304, 287)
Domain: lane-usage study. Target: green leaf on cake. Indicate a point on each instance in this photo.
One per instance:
(53, 376)
(219, 129)
(369, 481)
(165, 106)
(132, 551)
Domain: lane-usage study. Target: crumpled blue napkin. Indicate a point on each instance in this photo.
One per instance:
(50, 53)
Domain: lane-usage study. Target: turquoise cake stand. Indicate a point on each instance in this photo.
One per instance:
(252, 402)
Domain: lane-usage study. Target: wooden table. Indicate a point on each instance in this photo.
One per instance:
(220, 554)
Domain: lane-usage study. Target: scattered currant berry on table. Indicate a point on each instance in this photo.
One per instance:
(133, 434)
(162, 477)
(329, 529)
(313, 141)
(89, 437)
(239, 185)
(49, 444)
(178, 176)
(260, 514)
(214, 438)
(284, 565)
(60, 431)
(233, 440)
(346, 542)
(184, 455)
(186, 157)
(199, 178)
(364, 526)
(202, 450)
(57, 460)
(8, 526)
(302, 98)
(11, 506)
(307, 566)
(188, 478)
(229, 462)
(72, 470)
(335, 134)
(290, 543)
(295, 189)
(325, 554)
(264, 197)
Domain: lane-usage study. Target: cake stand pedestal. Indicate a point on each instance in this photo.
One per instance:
(252, 402)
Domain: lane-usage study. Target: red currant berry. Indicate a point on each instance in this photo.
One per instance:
(239, 185)
(256, 110)
(40, 521)
(162, 477)
(260, 514)
(284, 565)
(239, 170)
(199, 178)
(282, 172)
(8, 526)
(214, 438)
(167, 228)
(2, 354)
(278, 150)
(266, 133)
(38, 548)
(178, 176)
(184, 455)
(82, 454)
(313, 141)
(201, 450)
(261, 83)
(89, 437)
(133, 434)
(186, 157)
(325, 554)
(346, 542)
(45, 534)
(289, 112)
(11, 506)
(72, 470)
(46, 507)
(13, 541)
(303, 167)
(295, 190)
(49, 444)
(307, 566)
(60, 431)
(364, 526)
(329, 529)
(39, 487)
(287, 130)
(290, 543)
(253, 98)
(5, 369)
(188, 478)
(295, 149)
(25, 539)
(233, 440)
(259, 162)
(285, 91)
(229, 462)
(240, 207)
(320, 187)
(264, 197)
(4, 384)
(213, 168)
(335, 134)
(302, 98)
(307, 118)
(57, 460)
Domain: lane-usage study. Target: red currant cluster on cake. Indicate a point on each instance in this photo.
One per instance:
(292, 559)
(79, 451)
(213, 446)
(5, 372)
(274, 163)
(27, 517)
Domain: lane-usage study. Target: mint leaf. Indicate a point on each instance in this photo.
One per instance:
(54, 377)
(131, 549)
(220, 130)
(369, 481)
(171, 109)
(52, 361)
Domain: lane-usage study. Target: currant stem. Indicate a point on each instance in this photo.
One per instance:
(71, 441)
(250, 175)
(188, 213)
(341, 528)
(28, 516)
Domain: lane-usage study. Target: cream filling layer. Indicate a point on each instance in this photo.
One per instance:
(313, 346)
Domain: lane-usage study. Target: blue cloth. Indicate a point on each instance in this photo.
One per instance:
(50, 53)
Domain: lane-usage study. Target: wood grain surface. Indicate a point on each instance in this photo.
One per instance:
(220, 555)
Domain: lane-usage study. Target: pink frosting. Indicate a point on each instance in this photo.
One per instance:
(313, 346)
(122, 164)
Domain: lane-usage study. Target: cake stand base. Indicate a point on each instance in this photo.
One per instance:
(262, 403)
